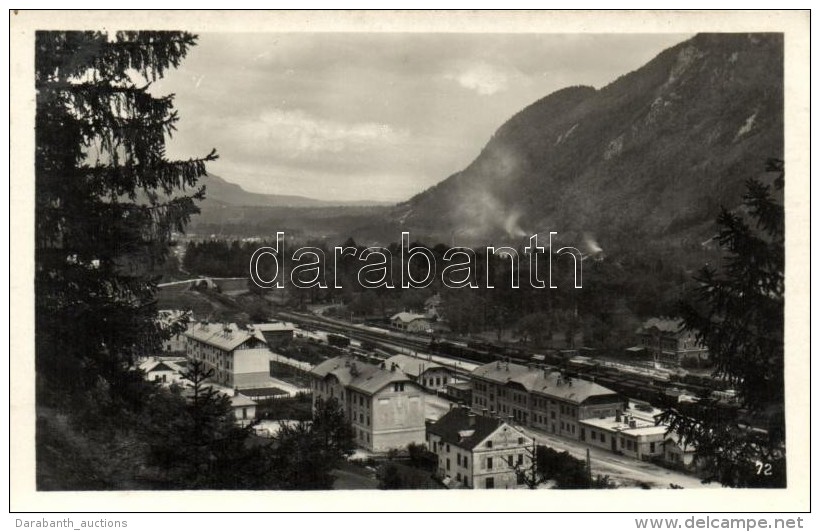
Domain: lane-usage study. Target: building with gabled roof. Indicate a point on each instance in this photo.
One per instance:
(424, 371)
(239, 357)
(411, 322)
(275, 334)
(162, 370)
(478, 452)
(670, 343)
(540, 397)
(384, 405)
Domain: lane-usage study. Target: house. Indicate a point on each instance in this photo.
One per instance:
(410, 322)
(162, 370)
(626, 434)
(276, 334)
(461, 392)
(244, 409)
(179, 319)
(677, 453)
(424, 371)
(384, 405)
(669, 343)
(432, 307)
(478, 452)
(238, 357)
(540, 397)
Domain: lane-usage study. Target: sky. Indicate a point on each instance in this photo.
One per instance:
(375, 116)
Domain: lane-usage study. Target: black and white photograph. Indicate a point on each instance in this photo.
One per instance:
(507, 256)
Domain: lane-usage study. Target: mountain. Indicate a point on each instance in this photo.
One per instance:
(221, 192)
(649, 158)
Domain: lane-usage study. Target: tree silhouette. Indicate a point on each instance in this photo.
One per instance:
(107, 198)
(737, 313)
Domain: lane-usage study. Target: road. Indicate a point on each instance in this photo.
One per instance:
(626, 472)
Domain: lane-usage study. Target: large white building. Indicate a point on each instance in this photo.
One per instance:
(385, 407)
(240, 358)
(541, 397)
(479, 452)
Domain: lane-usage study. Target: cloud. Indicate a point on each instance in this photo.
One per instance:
(294, 133)
(483, 78)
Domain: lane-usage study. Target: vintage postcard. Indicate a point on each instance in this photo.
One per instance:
(508, 261)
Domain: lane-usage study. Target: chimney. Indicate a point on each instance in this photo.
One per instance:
(618, 415)
(471, 419)
(393, 366)
(632, 423)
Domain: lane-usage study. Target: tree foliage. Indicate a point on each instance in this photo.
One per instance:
(107, 200)
(737, 312)
(305, 453)
(107, 197)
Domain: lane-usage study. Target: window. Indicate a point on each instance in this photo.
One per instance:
(520, 459)
(448, 447)
(652, 447)
(448, 464)
(489, 444)
(489, 463)
(368, 421)
(244, 412)
(592, 435)
(458, 477)
(520, 441)
(398, 387)
(489, 483)
(603, 438)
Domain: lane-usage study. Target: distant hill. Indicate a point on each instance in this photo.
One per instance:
(225, 193)
(650, 157)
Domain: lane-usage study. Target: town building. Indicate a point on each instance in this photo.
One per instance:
(626, 434)
(276, 334)
(478, 452)
(677, 453)
(240, 358)
(244, 409)
(410, 322)
(424, 371)
(668, 343)
(163, 370)
(384, 405)
(432, 307)
(461, 392)
(179, 320)
(540, 397)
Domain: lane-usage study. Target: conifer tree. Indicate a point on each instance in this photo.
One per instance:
(107, 199)
(737, 312)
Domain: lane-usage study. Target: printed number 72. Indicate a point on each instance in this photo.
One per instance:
(763, 468)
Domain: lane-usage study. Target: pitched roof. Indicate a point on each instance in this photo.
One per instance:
(362, 377)
(663, 325)
(160, 365)
(273, 327)
(545, 382)
(455, 428)
(224, 337)
(407, 317)
(241, 400)
(412, 366)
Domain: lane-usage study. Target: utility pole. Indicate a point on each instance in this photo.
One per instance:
(589, 468)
